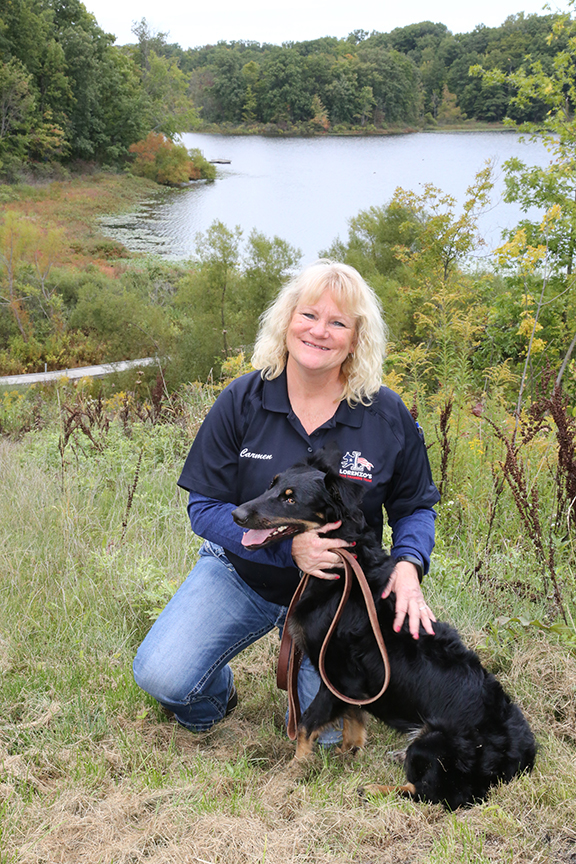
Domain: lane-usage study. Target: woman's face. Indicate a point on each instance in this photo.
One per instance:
(320, 336)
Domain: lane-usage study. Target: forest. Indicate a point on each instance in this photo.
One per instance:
(69, 95)
(414, 75)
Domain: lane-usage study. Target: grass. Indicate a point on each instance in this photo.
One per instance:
(91, 771)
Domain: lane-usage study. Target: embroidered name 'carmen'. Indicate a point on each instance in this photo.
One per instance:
(248, 455)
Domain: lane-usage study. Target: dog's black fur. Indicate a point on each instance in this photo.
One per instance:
(471, 735)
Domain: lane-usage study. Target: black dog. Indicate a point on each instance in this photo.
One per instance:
(468, 734)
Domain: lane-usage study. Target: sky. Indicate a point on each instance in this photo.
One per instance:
(277, 21)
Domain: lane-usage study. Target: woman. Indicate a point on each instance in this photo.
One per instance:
(319, 358)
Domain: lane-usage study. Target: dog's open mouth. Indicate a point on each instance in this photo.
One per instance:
(256, 538)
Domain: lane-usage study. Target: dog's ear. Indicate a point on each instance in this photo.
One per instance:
(346, 494)
(327, 459)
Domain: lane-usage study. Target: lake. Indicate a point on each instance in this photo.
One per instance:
(306, 189)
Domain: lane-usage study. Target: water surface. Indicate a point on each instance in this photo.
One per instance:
(306, 189)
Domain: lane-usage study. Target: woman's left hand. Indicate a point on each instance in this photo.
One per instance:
(409, 600)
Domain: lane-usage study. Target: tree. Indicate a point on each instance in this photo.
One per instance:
(265, 266)
(251, 75)
(16, 105)
(169, 108)
(219, 301)
(394, 81)
(319, 114)
(411, 252)
(366, 104)
(203, 298)
(342, 92)
(250, 106)
(148, 40)
(445, 239)
(553, 187)
(449, 112)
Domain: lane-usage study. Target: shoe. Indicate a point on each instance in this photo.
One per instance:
(167, 712)
(232, 701)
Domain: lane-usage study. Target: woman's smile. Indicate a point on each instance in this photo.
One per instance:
(320, 335)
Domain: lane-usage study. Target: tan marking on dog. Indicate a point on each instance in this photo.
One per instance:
(353, 732)
(297, 634)
(305, 743)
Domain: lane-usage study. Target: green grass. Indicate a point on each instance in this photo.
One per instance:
(90, 769)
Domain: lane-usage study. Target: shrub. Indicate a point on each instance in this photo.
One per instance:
(159, 159)
(206, 170)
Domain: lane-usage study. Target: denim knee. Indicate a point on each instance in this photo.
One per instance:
(182, 662)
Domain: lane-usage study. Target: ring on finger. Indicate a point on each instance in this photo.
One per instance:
(423, 606)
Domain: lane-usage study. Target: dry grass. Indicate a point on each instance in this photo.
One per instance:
(160, 794)
(76, 205)
(92, 773)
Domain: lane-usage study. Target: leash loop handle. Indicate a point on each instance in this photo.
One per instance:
(290, 656)
(351, 566)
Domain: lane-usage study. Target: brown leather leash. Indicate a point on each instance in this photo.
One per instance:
(291, 657)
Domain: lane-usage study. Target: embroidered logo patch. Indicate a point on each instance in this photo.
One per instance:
(355, 465)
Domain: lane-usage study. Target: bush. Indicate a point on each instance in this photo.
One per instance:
(207, 171)
(159, 159)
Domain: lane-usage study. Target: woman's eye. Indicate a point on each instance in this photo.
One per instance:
(338, 324)
(308, 315)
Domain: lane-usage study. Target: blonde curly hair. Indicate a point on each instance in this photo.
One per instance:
(362, 369)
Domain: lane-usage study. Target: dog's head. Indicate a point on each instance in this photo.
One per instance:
(442, 764)
(308, 495)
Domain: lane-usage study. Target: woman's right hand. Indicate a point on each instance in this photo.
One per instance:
(311, 551)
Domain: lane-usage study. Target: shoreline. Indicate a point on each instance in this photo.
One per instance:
(271, 131)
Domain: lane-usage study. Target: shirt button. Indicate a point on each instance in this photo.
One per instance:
(310, 449)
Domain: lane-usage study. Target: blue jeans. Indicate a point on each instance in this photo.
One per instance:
(183, 661)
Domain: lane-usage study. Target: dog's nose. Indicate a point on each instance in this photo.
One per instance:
(240, 514)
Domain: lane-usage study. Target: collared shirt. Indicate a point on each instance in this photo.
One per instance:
(251, 433)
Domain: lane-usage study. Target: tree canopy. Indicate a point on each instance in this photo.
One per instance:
(67, 92)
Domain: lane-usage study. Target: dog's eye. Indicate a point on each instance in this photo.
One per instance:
(289, 496)
(273, 481)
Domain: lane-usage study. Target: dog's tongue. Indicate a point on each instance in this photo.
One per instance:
(255, 537)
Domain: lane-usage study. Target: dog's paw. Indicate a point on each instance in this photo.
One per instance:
(372, 789)
(347, 751)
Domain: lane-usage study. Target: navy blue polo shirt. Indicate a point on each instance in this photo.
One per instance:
(251, 433)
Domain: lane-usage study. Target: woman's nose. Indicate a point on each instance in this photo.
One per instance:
(319, 327)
